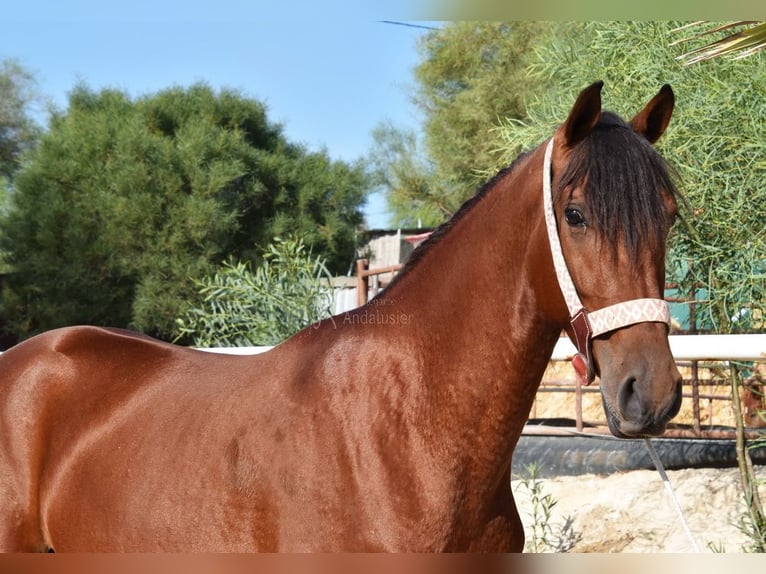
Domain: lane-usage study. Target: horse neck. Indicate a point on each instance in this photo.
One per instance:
(483, 326)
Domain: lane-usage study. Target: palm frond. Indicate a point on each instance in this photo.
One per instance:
(750, 39)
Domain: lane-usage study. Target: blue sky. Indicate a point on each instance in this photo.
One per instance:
(328, 72)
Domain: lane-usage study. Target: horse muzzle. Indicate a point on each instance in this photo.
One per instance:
(644, 400)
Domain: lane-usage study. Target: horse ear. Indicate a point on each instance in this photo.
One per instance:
(584, 114)
(652, 121)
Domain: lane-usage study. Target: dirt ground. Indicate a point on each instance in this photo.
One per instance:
(633, 512)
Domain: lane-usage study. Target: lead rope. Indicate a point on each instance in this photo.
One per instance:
(671, 494)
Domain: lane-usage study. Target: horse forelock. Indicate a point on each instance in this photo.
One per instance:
(624, 181)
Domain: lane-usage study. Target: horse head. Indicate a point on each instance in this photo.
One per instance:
(614, 202)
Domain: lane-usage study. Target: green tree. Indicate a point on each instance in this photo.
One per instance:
(18, 131)
(399, 165)
(240, 306)
(471, 76)
(125, 202)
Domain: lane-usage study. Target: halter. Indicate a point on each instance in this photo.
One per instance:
(588, 324)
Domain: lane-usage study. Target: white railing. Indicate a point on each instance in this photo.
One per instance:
(683, 347)
(697, 348)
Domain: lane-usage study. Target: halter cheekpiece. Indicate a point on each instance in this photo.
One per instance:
(588, 324)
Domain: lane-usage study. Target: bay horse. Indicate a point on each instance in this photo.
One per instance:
(387, 428)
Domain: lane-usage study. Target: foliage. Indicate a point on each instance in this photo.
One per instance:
(753, 525)
(18, 131)
(471, 75)
(715, 141)
(125, 200)
(290, 290)
(542, 534)
(399, 165)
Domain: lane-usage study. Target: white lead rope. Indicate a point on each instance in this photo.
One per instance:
(666, 481)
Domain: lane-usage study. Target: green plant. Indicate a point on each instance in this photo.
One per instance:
(753, 525)
(717, 547)
(542, 534)
(290, 290)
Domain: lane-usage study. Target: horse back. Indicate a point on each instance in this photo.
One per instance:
(97, 410)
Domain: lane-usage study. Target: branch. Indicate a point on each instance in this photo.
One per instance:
(741, 44)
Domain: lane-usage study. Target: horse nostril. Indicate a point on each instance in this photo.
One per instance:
(677, 398)
(637, 411)
(629, 400)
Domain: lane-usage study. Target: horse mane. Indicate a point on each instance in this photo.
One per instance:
(438, 233)
(621, 174)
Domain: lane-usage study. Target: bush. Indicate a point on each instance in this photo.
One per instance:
(290, 290)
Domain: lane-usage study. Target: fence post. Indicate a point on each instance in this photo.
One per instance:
(362, 281)
(697, 425)
(578, 404)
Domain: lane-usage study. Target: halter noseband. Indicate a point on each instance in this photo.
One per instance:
(589, 324)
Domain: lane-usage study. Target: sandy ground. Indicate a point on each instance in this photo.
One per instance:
(632, 511)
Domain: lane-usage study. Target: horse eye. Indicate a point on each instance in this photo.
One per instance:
(574, 217)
